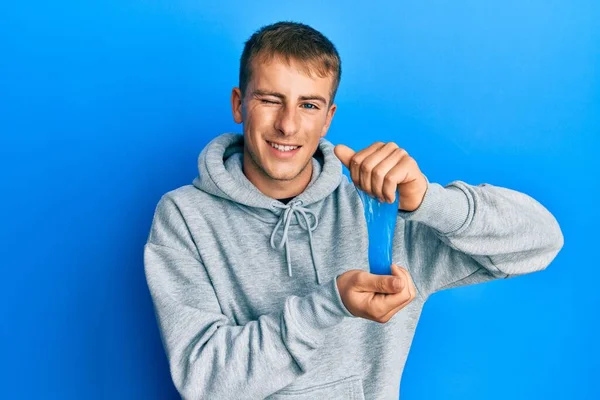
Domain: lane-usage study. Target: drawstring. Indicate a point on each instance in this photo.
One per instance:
(286, 218)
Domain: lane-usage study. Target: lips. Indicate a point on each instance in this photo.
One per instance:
(283, 152)
(284, 148)
(284, 144)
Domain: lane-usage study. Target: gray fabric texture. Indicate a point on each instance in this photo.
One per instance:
(244, 286)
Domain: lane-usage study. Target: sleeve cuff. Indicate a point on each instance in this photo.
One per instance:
(320, 310)
(446, 209)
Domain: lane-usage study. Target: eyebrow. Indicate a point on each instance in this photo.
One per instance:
(316, 97)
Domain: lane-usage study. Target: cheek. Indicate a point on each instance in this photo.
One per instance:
(261, 118)
(314, 123)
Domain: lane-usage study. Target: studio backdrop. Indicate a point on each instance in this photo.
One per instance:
(105, 106)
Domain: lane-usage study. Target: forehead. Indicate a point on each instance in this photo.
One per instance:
(278, 73)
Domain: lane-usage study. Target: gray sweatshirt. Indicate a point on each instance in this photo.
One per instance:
(244, 287)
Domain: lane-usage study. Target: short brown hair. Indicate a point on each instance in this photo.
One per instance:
(292, 41)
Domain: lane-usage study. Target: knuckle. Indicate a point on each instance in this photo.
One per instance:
(361, 278)
(378, 173)
(356, 159)
(365, 167)
(388, 179)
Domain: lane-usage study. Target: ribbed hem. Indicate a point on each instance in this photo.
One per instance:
(445, 209)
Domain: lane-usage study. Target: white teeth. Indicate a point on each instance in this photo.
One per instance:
(283, 148)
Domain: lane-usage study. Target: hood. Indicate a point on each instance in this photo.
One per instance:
(220, 173)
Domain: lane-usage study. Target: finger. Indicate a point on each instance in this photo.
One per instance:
(398, 175)
(344, 153)
(371, 162)
(356, 163)
(402, 273)
(396, 271)
(382, 307)
(372, 283)
(411, 285)
(407, 295)
(407, 281)
(380, 172)
(406, 299)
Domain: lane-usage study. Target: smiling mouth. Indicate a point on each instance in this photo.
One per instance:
(282, 147)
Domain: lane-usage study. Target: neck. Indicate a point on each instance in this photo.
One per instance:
(274, 188)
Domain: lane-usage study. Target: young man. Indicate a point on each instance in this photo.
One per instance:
(259, 270)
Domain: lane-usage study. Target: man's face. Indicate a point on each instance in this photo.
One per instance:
(285, 112)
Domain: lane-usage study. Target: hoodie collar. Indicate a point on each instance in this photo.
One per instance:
(221, 174)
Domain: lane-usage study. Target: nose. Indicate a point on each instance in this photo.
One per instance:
(287, 121)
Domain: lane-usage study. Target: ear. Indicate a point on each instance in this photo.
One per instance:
(330, 114)
(236, 105)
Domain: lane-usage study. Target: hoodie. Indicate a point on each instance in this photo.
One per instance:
(244, 286)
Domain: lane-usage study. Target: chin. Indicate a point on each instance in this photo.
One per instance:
(284, 175)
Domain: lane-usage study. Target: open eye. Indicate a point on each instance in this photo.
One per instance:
(310, 106)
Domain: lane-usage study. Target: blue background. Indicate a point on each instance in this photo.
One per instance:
(104, 106)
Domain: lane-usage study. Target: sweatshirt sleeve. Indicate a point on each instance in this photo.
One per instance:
(463, 234)
(210, 356)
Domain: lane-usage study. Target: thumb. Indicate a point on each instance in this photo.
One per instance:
(396, 271)
(344, 153)
(406, 278)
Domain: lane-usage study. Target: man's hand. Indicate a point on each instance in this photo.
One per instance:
(376, 297)
(382, 168)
